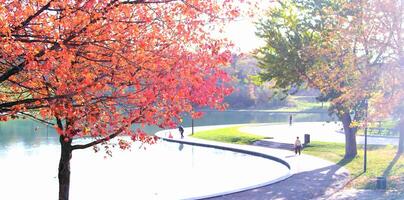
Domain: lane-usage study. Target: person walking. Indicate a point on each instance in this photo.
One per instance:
(290, 120)
(298, 146)
(181, 129)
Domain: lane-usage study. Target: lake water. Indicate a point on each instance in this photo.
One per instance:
(29, 155)
(162, 171)
(29, 133)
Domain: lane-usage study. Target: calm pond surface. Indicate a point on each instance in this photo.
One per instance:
(30, 133)
(29, 155)
(161, 171)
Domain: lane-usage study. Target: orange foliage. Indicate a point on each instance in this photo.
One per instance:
(104, 65)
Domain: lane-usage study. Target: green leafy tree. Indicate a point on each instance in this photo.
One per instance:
(340, 48)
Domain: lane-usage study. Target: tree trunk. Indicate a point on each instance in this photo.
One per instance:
(64, 167)
(401, 138)
(401, 142)
(350, 136)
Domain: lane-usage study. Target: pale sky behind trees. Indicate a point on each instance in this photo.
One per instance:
(242, 34)
(242, 31)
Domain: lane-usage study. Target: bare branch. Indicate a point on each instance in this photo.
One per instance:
(84, 146)
(25, 101)
(107, 138)
(37, 119)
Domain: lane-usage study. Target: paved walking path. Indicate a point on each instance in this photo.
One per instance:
(312, 177)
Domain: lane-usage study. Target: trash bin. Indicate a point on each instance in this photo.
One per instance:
(306, 138)
(381, 183)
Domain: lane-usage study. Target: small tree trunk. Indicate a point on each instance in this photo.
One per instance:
(401, 142)
(350, 136)
(64, 168)
(401, 138)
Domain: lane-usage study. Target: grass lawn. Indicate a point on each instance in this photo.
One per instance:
(382, 161)
(383, 128)
(228, 135)
(304, 104)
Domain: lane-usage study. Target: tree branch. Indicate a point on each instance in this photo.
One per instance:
(30, 18)
(12, 71)
(34, 40)
(36, 118)
(20, 67)
(107, 138)
(24, 101)
(147, 2)
(84, 146)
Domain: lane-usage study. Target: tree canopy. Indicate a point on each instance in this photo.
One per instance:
(341, 48)
(104, 64)
(97, 67)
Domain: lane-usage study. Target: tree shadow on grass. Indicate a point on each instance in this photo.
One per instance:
(353, 177)
(391, 165)
(386, 173)
(372, 147)
(345, 161)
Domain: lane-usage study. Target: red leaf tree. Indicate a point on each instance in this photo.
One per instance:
(97, 67)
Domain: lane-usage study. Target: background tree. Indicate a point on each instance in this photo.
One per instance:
(388, 98)
(97, 67)
(374, 35)
(248, 94)
(290, 29)
(337, 47)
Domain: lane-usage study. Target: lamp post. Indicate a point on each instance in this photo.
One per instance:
(366, 137)
(192, 124)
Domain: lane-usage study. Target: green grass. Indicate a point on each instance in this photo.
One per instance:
(382, 161)
(385, 125)
(388, 124)
(304, 104)
(228, 135)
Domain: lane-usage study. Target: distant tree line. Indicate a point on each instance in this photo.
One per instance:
(247, 93)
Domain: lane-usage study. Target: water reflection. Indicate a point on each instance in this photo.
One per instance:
(244, 117)
(29, 143)
(181, 146)
(159, 172)
(32, 134)
(26, 132)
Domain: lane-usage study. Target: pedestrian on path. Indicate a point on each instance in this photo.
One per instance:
(290, 120)
(181, 130)
(298, 146)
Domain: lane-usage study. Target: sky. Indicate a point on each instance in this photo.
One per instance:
(242, 31)
(242, 34)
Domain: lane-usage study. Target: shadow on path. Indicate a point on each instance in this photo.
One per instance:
(276, 145)
(301, 186)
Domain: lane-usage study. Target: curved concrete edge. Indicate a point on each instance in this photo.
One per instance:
(253, 153)
(222, 146)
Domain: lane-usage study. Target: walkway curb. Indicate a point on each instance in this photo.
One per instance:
(296, 184)
(226, 147)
